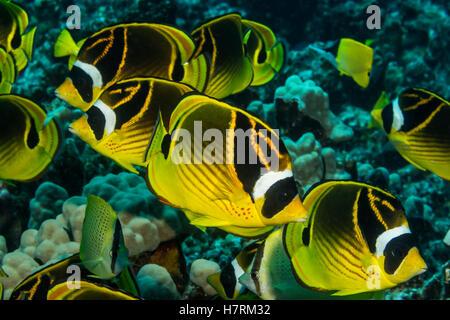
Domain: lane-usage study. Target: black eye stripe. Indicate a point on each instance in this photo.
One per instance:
(82, 82)
(279, 195)
(33, 136)
(396, 250)
(96, 120)
(228, 280)
(387, 115)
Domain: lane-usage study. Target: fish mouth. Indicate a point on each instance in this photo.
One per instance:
(300, 220)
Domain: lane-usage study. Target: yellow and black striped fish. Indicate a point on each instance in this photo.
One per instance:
(42, 284)
(356, 239)
(417, 124)
(226, 282)
(220, 41)
(7, 72)
(27, 147)
(126, 51)
(223, 167)
(36, 285)
(265, 52)
(121, 122)
(87, 291)
(13, 24)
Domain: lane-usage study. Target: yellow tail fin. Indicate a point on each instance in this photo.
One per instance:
(65, 45)
(27, 43)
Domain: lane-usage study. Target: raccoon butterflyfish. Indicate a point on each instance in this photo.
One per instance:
(126, 51)
(37, 284)
(26, 146)
(270, 275)
(87, 291)
(356, 239)
(230, 170)
(417, 125)
(7, 72)
(102, 247)
(120, 123)
(226, 282)
(355, 59)
(265, 52)
(13, 23)
(220, 41)
(67, 271)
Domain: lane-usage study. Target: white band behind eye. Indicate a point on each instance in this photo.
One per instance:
(398, 119)
(110, 116)
(92, 72)
(267, 180)
(384, 238)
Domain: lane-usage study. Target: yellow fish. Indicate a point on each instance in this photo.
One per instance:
(356, 239)
(121, 122)
(265, 52)
(7, 72)
(27, 147)
(36, 285)
(417, 124)
(236, 176)
(102, 247)
(13, 23)
(226, 282)
(220, 41)
(126, 51)
(87, 291)
(355, 59)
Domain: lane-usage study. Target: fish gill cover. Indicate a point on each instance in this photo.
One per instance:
(95, 94)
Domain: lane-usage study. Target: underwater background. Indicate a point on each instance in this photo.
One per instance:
(410, 50)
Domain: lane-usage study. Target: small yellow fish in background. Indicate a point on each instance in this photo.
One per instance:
(87, 291)
(7, 72)
(121, 122)
(417, 124)
(102, 247)
(265, 52)
(229, 183)
(13, 23)
(356, 239)
(126, 51)
(27, 147)
(355, 59)
(220, 41)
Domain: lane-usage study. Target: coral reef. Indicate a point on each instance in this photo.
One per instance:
(155, 283)
(200, 270)
(311, 163)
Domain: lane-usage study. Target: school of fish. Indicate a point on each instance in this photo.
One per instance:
(152, 95)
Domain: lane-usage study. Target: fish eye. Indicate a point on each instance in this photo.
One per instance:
(279, 195)
(396, 251)
(254, 275)
(283, 196)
